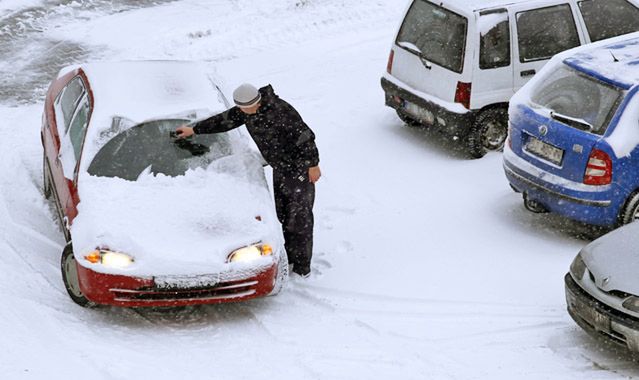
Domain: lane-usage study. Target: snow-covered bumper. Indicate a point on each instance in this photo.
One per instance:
(118, 290)
(419, 107)
(595, 205)
(600, 320)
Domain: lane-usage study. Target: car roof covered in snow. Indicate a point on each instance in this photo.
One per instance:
(614, 61)
(476, 5)
(138, 91)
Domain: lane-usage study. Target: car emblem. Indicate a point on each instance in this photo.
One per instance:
(605, 281)
(543, 130)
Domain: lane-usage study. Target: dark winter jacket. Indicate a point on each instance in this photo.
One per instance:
(283, 138)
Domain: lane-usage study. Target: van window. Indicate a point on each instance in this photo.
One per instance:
(579, 97)
(78, 126)
(545, 32)
(68, 100)
(435, 34)
(609, 18)
(494, 31)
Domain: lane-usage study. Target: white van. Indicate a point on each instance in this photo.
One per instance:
(456, 63)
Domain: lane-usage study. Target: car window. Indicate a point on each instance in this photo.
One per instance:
(68, 100)
(494, 31)
(570, 93)
(545, 32)
(78, 126)
(435, 34)
(609, 18)
(149, 147)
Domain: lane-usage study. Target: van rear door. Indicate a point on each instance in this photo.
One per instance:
(430, 50)
(540, 33)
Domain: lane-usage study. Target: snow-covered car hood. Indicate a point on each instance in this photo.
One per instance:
(614, 260)
(183, 225)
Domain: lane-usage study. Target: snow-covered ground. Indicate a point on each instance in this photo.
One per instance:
(426, 264)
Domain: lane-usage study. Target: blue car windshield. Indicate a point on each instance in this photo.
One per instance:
(579, 98)
(149, 147)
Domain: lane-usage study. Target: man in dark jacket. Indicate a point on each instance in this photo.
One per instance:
(288, 145)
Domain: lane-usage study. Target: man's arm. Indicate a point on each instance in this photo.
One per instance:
(305, 150)
(219, 123)
(222, 122)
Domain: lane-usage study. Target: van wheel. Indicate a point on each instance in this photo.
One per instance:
(46, 178)
(70, 278)
(630, 212)
(488, 133)
(408, 120)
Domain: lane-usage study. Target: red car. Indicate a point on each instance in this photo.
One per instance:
(151, 220)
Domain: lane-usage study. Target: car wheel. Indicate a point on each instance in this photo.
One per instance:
(534, 206)
(282, 275)
(46, 178)
(630, 212)
(488, 133)
(408, 120)
(70, 278)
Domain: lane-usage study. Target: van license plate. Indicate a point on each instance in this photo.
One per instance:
(545, 151)
(420, 113)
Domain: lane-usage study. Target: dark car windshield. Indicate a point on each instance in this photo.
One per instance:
(435, 34)
(149, 147)
(578, 99)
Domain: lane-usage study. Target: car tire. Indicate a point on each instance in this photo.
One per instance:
(70, 278)
(46, 178)
(630, 211)
(488, 133)
(282, 275)
(408, 120)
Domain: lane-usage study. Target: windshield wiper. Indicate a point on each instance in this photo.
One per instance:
(572, 121)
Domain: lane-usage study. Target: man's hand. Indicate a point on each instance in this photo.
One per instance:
(314, 174)
(184, 131)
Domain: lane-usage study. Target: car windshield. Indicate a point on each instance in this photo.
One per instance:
(578, 100)
(149, 147)
(435, 34)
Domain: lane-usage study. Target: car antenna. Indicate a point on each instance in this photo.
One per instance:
(613, 56)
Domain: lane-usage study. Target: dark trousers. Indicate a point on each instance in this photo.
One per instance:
(294, 198)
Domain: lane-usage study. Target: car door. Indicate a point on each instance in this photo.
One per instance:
(59, 118)
(493, 82)
(71, 151)
(609, 18)
(540, 33)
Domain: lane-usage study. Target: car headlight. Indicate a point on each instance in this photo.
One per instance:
(632, 304)
(109, 258)
(578, 268)
(250, 253)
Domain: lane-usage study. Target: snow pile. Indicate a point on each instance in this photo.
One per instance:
(177, 226)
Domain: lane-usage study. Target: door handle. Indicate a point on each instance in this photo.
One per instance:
(528, 73)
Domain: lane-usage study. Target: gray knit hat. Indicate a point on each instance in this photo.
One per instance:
(246, 95)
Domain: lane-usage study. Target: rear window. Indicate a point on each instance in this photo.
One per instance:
(545, 32)
(609, 18)
(435, 34)
(578, 99)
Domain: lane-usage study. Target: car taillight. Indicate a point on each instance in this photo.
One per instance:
(462, 94)
(391, 57)
(599, 169)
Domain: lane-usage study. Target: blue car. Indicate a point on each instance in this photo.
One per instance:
(573, 146)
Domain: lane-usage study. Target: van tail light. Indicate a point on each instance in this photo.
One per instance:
(599, 169)
(391, 57)
(462, 94)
